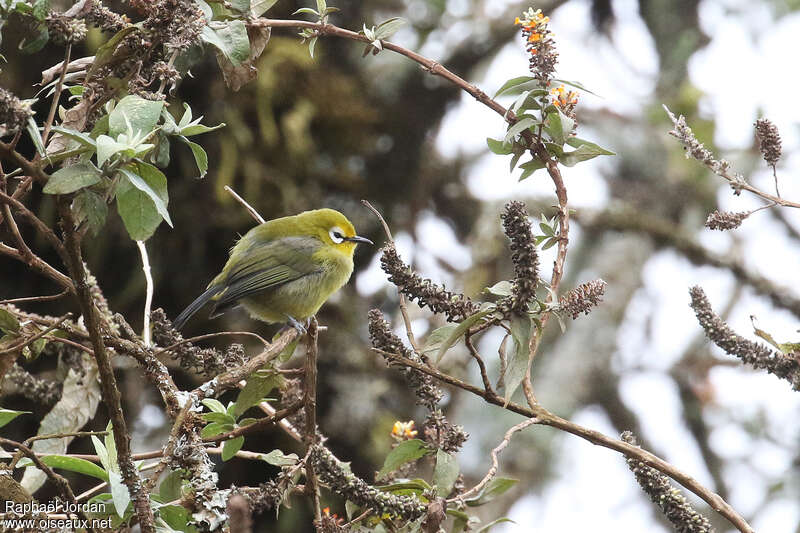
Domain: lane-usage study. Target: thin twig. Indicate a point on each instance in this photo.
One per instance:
(402, 299)
(212, 335)
(148, 299)
(247, 206)
(37, 336)
(47, 298)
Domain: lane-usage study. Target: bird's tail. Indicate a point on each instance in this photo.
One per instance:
(195, 306)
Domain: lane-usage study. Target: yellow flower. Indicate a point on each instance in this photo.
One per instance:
(404, 430)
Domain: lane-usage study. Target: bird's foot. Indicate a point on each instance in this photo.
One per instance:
(299, 326)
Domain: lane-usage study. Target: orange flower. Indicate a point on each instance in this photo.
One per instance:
(404, 430)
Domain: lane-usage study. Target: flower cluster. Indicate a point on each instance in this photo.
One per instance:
(42, 391)
(345, 483)
(207, 361)
(404, 430)
(724, 220)
(672, 502)
(784, 366)
(440, 433)
(566, 101)
(582, 298)
(331, 522)
(105, 19)
(455, 306)
(517, 228)
(14, 114)
(65, 30)
(539, 43)
(383, 339)
(769, 141)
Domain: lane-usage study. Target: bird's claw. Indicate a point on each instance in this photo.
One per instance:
(301, 329)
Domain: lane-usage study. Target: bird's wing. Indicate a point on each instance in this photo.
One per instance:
(266, 265)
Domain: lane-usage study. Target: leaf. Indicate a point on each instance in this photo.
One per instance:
(558, 126)
(8, 322)
(585, 150)
(518, 85)
(175, 516)
(107, 52)
(493, 523)
(518, 127)
(72, 464)
(445, 473)
(405, 452)
(41, 8)
(312, 43)
(81, 137)
(460, 520)
(306, 11)
(72, 178)
(197, 129)
(500, 147)
(137, 210)
(32, 46)
(111, 449)
(287, 352)
(278, 458)
(214, 405)
(242, 6)
(119, 493)
(231, 40)
(171, 487)
(90, 207)
(230, 447)
(388, 27)
(529, 167)
(501, 288)
(36, 136)
(576, 85)
(215, 428)
(416, 485)
(259, 7)
(142, 115)
(518, 364)
(151, 181)
(107, 147)
(219, 418)
(200, 156)
(457, 332)
(258, 386)
(492, 490)
(7, 415)
(237, 75)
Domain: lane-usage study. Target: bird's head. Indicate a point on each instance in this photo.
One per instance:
(333, 229)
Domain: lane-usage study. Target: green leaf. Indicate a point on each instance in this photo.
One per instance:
(501, 288)
(259, 7)
(119, 493)
(388, 27)
(414, 485)
(138, 212)
(405, 452)
(215, 428)
(518, 127)
(242, 6)
(107, 147)
(493, 523)
(31, 46)
(576, 85)
(70, 179)
(460, 520)
(8, 322)
(492, 490)
(456, 333)
(231, 40)
(518, 85)
(72, 464)
(558, 126)
(530, 167)
(500, 147)
(172, 487)
(200, 156)
(278, 458)
(175, 516)
(197, 129)
(220, 418)
(142, 115)
(151, 181)
(81, 137)
(445, 473)
(107, 51)
(287, 352)
(36, 348)
(214, 405)
(585, 150)
(518, 364)
(312, 43)
(92, 208)
(36, 136)
(111, 448)
(230, 447)
(7, 415)
(41, 8)
(306, 11)
(259, 385)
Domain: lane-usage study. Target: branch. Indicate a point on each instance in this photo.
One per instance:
(310, 409)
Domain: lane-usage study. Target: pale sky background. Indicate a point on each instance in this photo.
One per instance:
(745, 72)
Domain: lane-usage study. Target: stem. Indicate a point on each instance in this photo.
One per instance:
(148, 299)
(310, 408)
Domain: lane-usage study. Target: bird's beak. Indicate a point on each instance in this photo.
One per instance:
(358, 238)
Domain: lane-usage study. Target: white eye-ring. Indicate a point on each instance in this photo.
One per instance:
(337, 235)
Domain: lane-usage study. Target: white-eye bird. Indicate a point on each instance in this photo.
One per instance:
(284, 269)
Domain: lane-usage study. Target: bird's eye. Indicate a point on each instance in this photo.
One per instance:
(337, 235)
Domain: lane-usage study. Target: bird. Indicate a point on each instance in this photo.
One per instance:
(283, 270)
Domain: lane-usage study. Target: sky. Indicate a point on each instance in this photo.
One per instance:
(743, 74)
